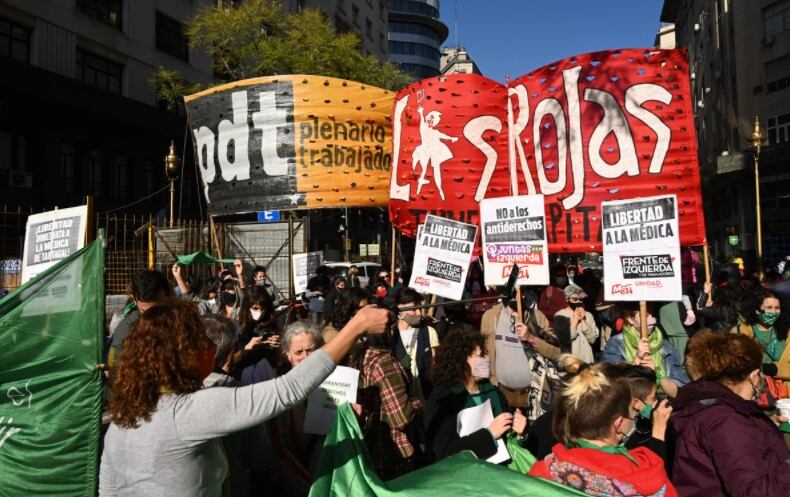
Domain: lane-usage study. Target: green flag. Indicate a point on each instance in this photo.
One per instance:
(50, 390)
(200, 258)
(343, 471)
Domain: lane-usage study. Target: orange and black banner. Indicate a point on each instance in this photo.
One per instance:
(292, 142)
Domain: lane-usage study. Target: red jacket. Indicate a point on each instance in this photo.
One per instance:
(552, 299)
(595, 472)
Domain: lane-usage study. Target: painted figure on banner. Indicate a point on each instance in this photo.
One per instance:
(431, 148)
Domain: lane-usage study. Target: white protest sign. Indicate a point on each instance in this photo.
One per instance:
(52, 236)
(641, 249)
(514, 232)
(339, 387)
(472, 419)
(442, 256)
(305, 267)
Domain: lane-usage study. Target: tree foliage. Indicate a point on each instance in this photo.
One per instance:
(259, 38)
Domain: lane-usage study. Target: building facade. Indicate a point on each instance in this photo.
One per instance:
(456, 60)
(739, 67)
(78, 113)
(368, 18)
(415, 36)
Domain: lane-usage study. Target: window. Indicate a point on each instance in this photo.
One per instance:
(341, 6)
(95, 172)
(355, 15)
(777, 85)
(98, 72)
(779, 129)
(106, 11)
(776, 18)
(170, 37)
(121, 176)
(369, 28)
(414, 29)
(67, 167)
(14, 41)
(382, 41)
(13, 152)
(405, 48)
(413, 7)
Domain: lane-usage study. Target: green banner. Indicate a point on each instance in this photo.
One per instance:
(200, 258)
(343, 472)
(51, 331)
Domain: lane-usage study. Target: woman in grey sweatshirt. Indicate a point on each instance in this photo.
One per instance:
(164, 437)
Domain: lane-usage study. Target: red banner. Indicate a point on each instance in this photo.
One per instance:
(594, 127)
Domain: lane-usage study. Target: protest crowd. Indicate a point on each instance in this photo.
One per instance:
(207, 382)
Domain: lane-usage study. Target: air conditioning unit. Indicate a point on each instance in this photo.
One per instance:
(17, 179)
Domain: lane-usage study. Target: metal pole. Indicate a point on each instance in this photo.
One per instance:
(172, 200)
(757, 207)
(291, 256)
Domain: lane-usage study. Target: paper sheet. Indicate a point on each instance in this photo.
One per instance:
(474, 418)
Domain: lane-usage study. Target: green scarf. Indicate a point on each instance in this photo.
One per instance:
(487, 392)
(772, 346)
(631, 338)
(609, 449)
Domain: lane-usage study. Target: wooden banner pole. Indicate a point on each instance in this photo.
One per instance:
(392, 259)
(432, 310)
(519, 310)
(643, 319)
(706, 260)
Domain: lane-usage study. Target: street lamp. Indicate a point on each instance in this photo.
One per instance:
(172, 170)
(756, 142)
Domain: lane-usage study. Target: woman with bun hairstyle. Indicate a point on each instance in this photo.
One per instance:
(593, 416)
(724, 444)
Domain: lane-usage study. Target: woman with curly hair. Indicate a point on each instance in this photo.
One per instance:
(163, 439)
(460, 375)
(592, 418)
(724, 443)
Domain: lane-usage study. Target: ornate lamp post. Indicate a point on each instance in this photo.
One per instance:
(172, 170)
(756, 142)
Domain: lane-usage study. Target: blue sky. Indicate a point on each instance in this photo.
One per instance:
(518, 36)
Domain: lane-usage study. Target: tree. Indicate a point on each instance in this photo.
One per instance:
(259, 38)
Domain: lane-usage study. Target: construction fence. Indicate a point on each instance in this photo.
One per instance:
(137, 242)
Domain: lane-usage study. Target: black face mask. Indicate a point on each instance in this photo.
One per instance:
(575, 305)
(227, 298)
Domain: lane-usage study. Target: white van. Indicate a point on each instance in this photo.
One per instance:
(367, 270)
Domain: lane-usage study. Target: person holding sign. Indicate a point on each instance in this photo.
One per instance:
(593, 417)
(582, 331)
(653, 352)
(461, 380)
(163, 439)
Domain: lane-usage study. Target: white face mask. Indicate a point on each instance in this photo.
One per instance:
(481, 368)
(256, 315)
(651, 323)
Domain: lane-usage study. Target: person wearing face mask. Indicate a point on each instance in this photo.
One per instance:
(762, 323)
(416, 343)
(592, 418)
(165, 430)
(229, 299)
(650, 424)
(653, 352)
(387, 412)
(552, 298)
(521, 353)
(582, 329)
(724, 444)
(461, 380)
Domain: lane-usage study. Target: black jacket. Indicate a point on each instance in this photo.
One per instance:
(440, 415)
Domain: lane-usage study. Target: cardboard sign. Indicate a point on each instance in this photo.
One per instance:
(292, 142)
(641, 249)
(583, 130)
(305, 266)
(514, 232)
(442, 257)
(52, 236)
(338, 388)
